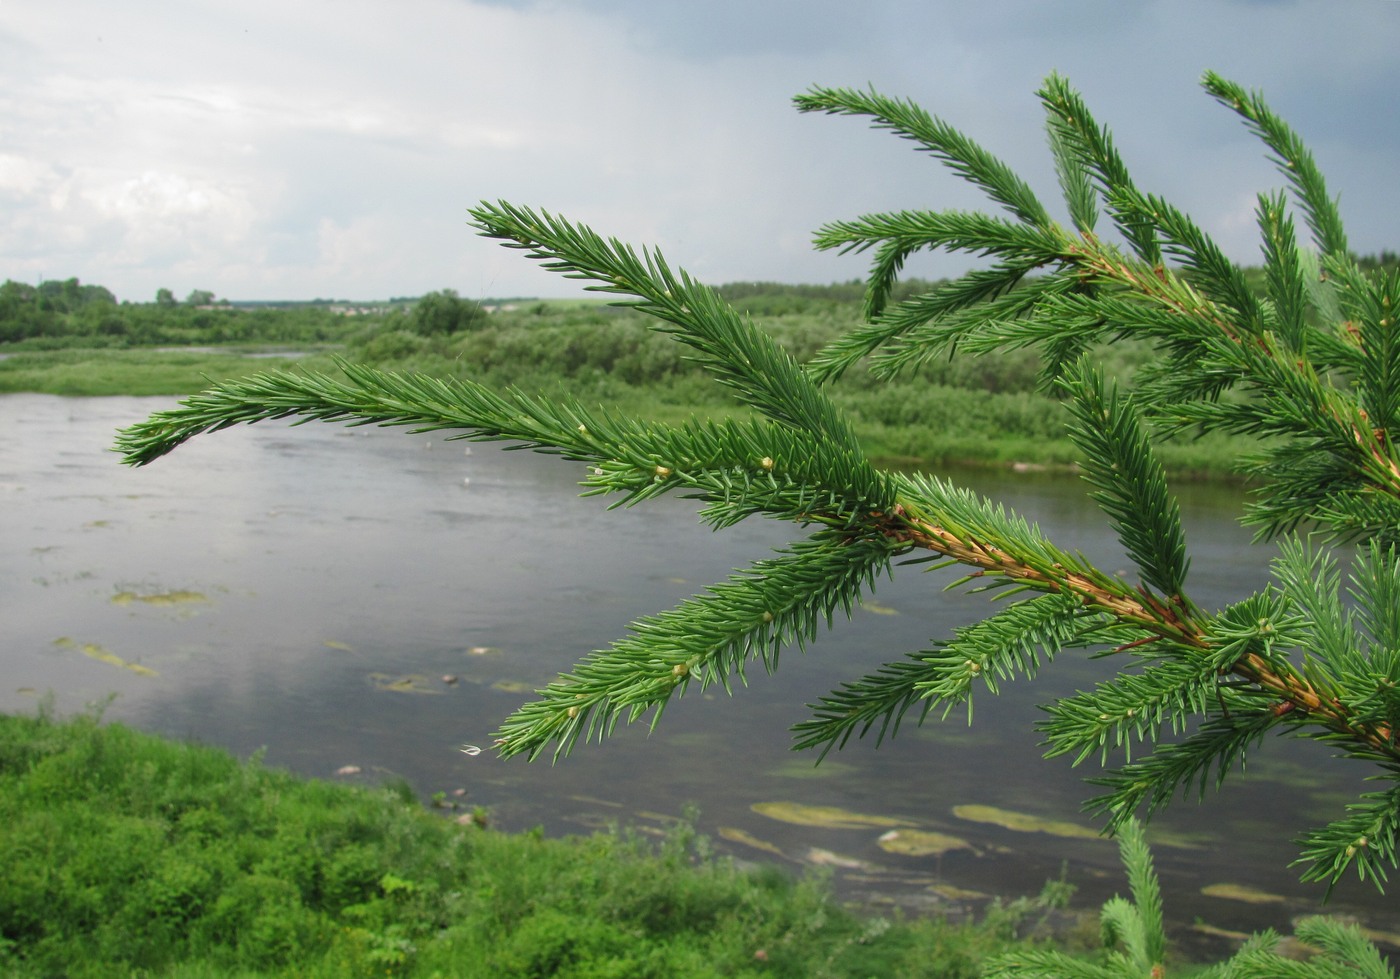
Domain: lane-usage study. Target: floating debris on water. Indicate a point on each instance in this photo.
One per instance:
(594, 801)
(1240, 892)
(879, 609)
(344, 647)
(1205, 928)
(954, 893)
(348, 770)
(826, 858)
(921, 843)
(804, 768)
(829, 817)
(1022, 822)
(104, 655)
(403, 683)
(735, 835)
(166, 598)
(513, 686)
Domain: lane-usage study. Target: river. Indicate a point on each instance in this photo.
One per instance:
(309, 590)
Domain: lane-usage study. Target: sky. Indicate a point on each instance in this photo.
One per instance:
(299, 149)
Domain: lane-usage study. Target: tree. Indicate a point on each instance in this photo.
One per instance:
(96, 295)
(164, 297)
(60, 296)
(1311, 367)
(20, 315)
(444, 313)
(198, 297)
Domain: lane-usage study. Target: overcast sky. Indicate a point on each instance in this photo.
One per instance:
(268, 149)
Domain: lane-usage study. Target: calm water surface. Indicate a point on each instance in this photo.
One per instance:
(306, 590)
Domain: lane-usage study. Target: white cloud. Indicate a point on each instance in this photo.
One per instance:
(20, 175)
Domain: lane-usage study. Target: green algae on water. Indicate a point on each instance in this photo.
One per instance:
(1022, 822)
(168, 598)
(829, 817)
(403, 683)
(921, 843)
(104, 655)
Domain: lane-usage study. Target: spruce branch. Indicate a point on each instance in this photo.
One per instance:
(1344, 949)
(1217, 277)
(730, 464)
(1294, 161)
(963, 156)
(1311, 368)
(1001, 548)
(1129, 483)
(1366, 838)
(748, 361)
(1013, 642)
(1142, 933)
(921, 342)
(976, 286)
(909, 231)
(1092, 146)
(884, 696)
(1153, 782)
(1130, 708)
(1373, 310)
(1285, 277)
(1132, 927)
(708, 639)
(1076, 180)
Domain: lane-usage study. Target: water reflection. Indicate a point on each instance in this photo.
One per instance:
(343, 574)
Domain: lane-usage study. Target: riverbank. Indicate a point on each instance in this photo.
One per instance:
(994, 419)
(129, 853)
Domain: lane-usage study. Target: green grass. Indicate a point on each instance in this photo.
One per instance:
(126, 854)
(129, 371)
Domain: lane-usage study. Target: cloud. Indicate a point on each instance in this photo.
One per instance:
(264, 149)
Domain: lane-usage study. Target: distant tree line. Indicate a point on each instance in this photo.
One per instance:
(67, 313)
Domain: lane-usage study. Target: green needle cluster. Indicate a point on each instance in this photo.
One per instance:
(1309, 363)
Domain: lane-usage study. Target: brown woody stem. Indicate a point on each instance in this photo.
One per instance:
(1138, 608)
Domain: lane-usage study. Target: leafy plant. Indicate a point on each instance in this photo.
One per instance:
(1311, 369)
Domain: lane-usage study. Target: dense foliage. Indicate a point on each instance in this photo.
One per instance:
(67, 314)
(129, 855)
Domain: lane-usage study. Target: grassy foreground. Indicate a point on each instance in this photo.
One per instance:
(126, 854)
